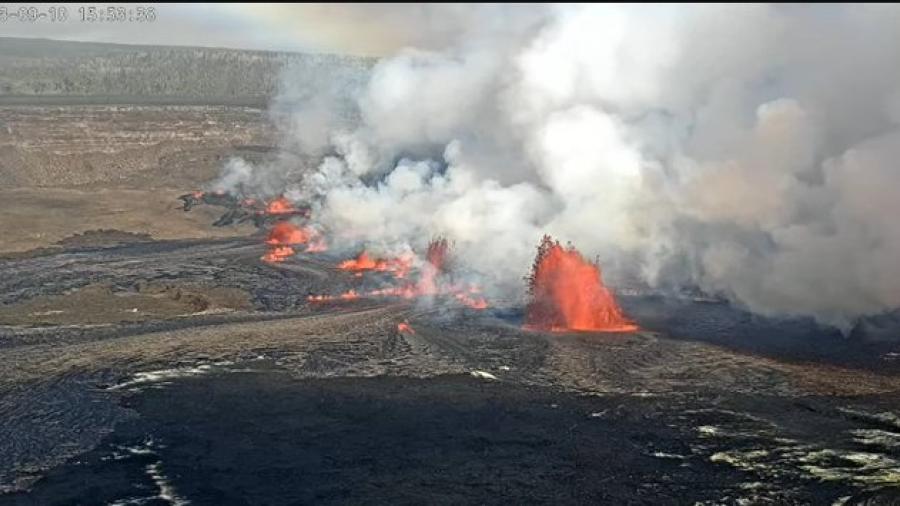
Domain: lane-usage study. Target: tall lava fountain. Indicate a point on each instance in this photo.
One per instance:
(567, 293)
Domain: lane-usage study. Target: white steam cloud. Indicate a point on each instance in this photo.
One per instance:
(748, 150)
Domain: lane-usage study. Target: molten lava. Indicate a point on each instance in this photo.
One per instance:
(282, 235)
(349, 295)
(399, 267)
(316, 244)
(280, 205)
(278, 254)
(437, 253)
(404, 327)
(471, 302)
(567, 293)
(435, 257)
(285, 232)
(428, 283)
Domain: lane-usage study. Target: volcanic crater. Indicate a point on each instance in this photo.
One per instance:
(217, 351)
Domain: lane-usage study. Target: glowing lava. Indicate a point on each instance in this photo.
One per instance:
(399, 267)
(285, 232)
(280, 205)
(282, 235)
(349, 295)
(470, 297)
(435, 257)
(430, 281)
(316, 244)
(567, 293)
(278, 254)
(404, 327)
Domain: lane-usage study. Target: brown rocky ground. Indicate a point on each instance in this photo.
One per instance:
(65, 170)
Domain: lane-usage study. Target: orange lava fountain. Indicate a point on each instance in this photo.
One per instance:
(280, 205)
(285, 232)
(316, 244)
(427, 284)
(278, 254)
(567, 293)
(399, 267)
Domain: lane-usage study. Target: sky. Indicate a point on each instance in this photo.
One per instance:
(361, 29)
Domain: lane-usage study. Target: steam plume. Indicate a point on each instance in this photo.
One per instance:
(748, 150)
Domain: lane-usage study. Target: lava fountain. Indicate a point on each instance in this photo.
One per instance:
(567, 293)
(399, 267)
(280, 205)
(430, 280)
(285, 234)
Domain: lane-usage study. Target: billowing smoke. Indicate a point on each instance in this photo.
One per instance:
(746, 150)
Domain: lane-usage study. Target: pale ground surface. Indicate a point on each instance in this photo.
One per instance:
(67, 170)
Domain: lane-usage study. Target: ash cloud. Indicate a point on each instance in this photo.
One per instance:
(748, 150)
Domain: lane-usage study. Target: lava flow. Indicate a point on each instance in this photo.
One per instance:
(428, 283)
(285, 234)
(404, 327)
(399, 267)
(278, 254)
(280, 205)
(567, 293)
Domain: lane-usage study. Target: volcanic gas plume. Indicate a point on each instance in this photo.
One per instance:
(767, 177)
(567, 293)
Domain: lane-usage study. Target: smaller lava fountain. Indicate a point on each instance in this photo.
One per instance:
(284, 235)
(278, 254)
(567, 293)
(399, 267)
(431, 278)
(280, 205)
(286, 232)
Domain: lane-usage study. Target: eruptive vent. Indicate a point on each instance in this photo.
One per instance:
(399, 267)
(567, 293)
(280, 205)
(431, 278)
(278, 254)
(285, 234)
